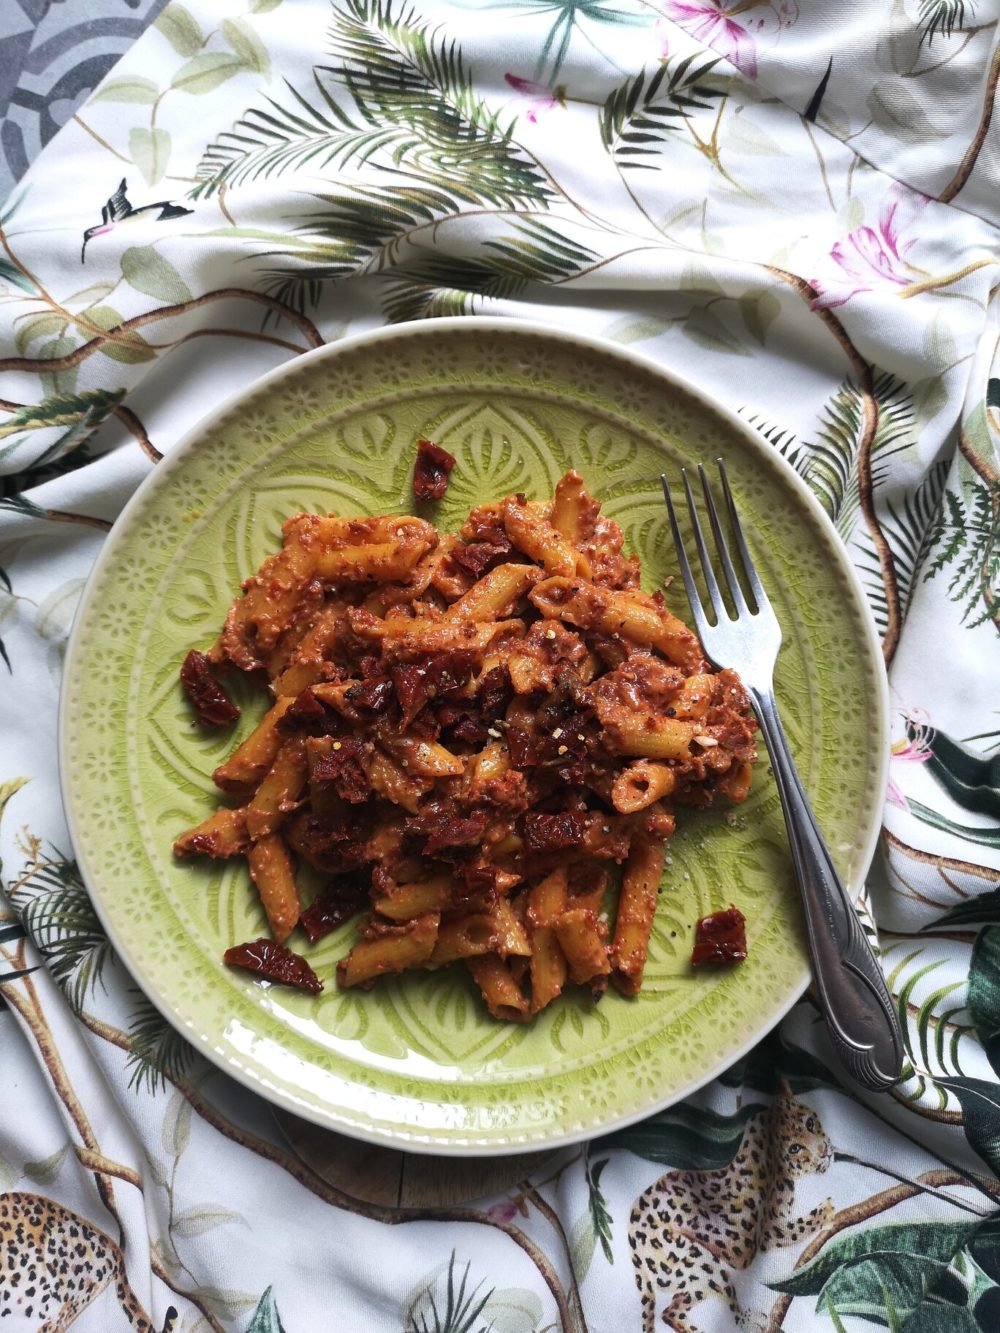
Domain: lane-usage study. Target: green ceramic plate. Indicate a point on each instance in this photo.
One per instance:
(417, 1063)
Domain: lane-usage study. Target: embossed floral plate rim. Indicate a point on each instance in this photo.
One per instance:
(358, 1107)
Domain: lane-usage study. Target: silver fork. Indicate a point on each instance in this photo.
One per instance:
(853, 996)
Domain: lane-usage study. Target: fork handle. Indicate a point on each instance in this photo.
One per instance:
(853, 995)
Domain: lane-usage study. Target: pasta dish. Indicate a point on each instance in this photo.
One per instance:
(479, 739)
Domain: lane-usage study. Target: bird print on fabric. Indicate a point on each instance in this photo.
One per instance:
(118, 210)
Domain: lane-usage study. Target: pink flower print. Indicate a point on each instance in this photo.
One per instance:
(540, 98)
(709, 21)
(871, 257)
(662, 30)
(914, 749)
(716, 23)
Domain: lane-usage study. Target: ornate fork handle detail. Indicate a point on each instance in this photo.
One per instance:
(859, 1012)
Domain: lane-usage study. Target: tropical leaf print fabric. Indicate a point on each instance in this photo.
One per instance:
(795, 207)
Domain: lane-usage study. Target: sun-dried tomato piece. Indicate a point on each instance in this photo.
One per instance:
(343, 767)
(495, 693)
(425, 726)
(343, 898)
(554, 833)
(274, 962)
(477, 557)
(442, 826)
(212, 704)
(474, 889)
(430, 471)
(374, 695)
(437, 675)
(470, 730)
(523, 748)
(333, 845)
(720, 937)
(310, 716)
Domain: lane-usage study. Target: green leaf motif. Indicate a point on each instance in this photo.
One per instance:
(941, 17)
(59, 916)
(175, 1132)
(145, 269)
(638, 330)
(985, 837)
(638, 116)
(923, 1242)
(599, 1206)
(204, 73)
(266, 1318)
(45, 1171)
(37, 326)
(980, 1102)
(57, 381)
(439, 148)
(685, 1137)
(157, 1053)
(866, 1288)
(983, 909)
(945, 1319)
(150, 151)
(704, 327)
(247, 45)
(511, 1310)
(263, 6)
(132, 89)
(759, 311)
(196, 1221)
(983, 996)
(583, 1243)
(966, 539)
(10, 273)
(180, 29)
(896, 111)
(88, 408)
(127, 347)
(12, 786)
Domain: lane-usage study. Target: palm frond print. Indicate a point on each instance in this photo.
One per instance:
(965, 537)
(940, 18)
(57, 913)
(430, 286)
(397, 141)
(414, 114)
(639, 115)
(157, 1052)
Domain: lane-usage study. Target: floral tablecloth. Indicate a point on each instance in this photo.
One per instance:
(794, 206)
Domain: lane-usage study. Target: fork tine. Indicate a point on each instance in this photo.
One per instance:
(722, 546)
(749, 568)
(690, 587)
(711, 582)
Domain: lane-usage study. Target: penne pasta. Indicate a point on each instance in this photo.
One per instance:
(246, 767)
(222, 834)
(495, 593)
(280, 790)
(640, 784)
(271, 871)
(636, 908)
(468, 732)
(394, 950)
(504, 998)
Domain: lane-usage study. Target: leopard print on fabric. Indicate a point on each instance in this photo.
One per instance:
(53, 1264)
(690, 1229)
